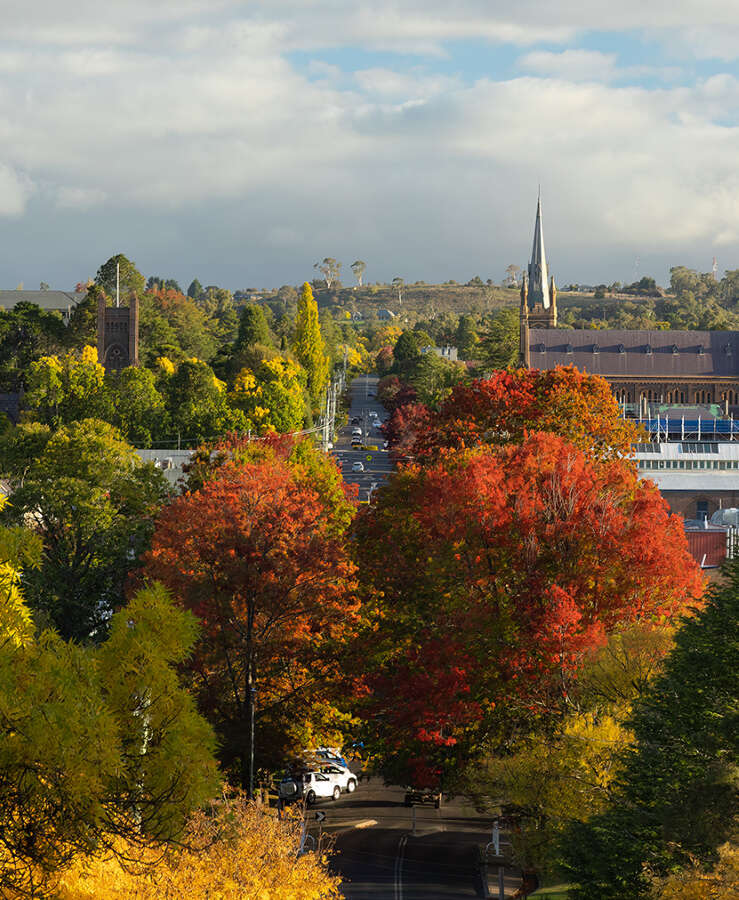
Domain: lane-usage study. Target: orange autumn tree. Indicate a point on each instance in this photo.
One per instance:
(499, 410)
(255, 557)
(494, 571)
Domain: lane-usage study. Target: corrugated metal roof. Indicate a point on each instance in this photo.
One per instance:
(60, 300)
(637, 354)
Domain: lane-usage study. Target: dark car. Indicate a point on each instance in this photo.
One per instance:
(422, 795)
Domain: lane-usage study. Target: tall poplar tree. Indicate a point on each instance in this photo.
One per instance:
(309, 345)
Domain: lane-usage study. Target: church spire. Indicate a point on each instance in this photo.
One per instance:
(538, 275)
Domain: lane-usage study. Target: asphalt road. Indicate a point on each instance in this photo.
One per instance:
(379, 857)
(377, 465)
(378, 852)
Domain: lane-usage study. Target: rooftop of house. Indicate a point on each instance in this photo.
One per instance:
(49, 300)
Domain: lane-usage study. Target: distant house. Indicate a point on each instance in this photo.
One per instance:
(447, 352)
(385, 314)
(62, 302)
(10, 406)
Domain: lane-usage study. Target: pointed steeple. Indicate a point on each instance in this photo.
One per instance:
(538, 275)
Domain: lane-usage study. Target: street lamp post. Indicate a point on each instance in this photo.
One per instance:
(253, 709)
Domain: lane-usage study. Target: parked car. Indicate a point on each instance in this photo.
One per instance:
(319, 782)
(358, 466)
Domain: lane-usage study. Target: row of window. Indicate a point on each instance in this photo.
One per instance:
(683, 447)
(720, 464)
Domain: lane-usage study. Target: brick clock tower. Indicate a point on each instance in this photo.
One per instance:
(118, 335)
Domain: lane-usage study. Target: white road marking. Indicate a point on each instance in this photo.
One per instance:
(399, 868)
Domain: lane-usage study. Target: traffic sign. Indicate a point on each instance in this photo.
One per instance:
(320, 815)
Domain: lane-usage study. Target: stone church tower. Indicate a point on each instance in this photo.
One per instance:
(538, 291)
(118, 335)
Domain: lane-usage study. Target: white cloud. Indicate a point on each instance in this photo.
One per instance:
(75, 198)
(572, 65)
(180, 113)
(15, 190)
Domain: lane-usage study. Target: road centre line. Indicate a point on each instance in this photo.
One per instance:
(399, 868)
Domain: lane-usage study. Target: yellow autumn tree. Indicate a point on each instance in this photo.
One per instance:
(309, 345)
(62, 389)
(232, 851)
(720, 883)
(273, 397)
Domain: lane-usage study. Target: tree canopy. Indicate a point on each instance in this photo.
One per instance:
(676, 801)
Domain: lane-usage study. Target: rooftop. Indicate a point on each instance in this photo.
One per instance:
(636, 354)
(49, 300)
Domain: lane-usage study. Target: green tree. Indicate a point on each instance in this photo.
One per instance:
(358, 268)
(253, 328)
(406, 347)
(197, 404)
(330, 269)
(676, 801)
(466, 337)
(94, 744)
(309, 346)
(500, 345)
(27, 333)
(195, 291)
(432, 377)
(131, 280)
(138, 408)
(90, 499)
(83, 322)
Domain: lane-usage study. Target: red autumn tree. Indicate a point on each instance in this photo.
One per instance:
(405, 425)
(494, 571)
(501, 409)
(255, 557)
(309, 466)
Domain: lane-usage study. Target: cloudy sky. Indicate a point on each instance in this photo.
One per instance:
(240, 142)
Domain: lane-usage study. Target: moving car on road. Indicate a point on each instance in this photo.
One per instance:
(422, 795)
(358, 466)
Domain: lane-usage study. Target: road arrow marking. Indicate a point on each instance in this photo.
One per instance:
(320, 815)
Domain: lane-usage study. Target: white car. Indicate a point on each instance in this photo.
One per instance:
(358, 466)
(357, 431)
(320, 782)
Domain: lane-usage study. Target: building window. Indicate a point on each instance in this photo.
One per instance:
(701, 509)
